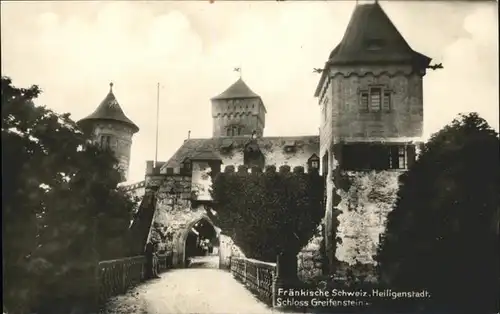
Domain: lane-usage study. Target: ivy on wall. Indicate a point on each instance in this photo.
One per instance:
(268, 213)
(367, 199)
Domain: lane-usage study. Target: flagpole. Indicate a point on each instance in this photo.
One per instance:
(157, 120)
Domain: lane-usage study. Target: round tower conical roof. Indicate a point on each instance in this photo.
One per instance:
(109, 109)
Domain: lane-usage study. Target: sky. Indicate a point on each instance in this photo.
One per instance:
(73, 50)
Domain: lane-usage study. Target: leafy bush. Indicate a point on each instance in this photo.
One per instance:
(62, 211)
(443, 233)
(269, 213)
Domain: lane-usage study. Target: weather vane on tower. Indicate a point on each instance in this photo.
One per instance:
(238, 69)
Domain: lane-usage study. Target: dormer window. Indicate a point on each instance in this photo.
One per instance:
(252, 156)
(186, 166)
(226, 146)
(289, 146)
(375, 99)
(313, 162)
(374, 44)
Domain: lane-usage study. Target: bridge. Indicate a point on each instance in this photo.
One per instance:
(191, 280)
(200, 288)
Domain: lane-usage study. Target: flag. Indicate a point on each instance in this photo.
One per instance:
(237, 69)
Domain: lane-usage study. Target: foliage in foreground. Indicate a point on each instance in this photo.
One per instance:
(62, 211)
(269, 213)
(443, 234)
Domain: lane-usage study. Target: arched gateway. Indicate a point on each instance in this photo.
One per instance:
(200, 237)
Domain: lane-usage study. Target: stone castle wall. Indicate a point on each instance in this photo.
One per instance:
(343, 120)
(310, 260)
(349, 121)
(227, 249)
(365, 203)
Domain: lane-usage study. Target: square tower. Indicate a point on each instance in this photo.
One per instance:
(238, 111)
(371, 99)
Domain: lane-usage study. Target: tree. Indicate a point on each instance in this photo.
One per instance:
(270, 213)
(443, 233)
(62, 210)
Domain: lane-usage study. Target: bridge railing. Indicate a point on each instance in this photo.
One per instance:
(259, 277)
(115, 277)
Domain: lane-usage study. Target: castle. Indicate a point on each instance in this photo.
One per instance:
(371, 99)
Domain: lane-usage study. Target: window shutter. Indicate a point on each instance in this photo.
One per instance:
(364, 101)
(387, 102)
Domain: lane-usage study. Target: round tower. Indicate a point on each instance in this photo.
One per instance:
(110, 128)
(238, 111)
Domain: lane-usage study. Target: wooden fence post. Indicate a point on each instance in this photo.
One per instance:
(97, 287)
(276, 280)
(124, 279)
(245, 270)
(257, 277)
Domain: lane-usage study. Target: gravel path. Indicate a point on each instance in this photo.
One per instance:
(198, 289)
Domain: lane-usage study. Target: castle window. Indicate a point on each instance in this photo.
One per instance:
(374, 44)
(105, 141)
(376, 156)
(252, 156)
(375, 98)
(397, 159)
(226, 146)
(313, 162)
(387, 101)
(228, 131)
(239, 131)
(289, 146)
(364, 101)
(186, 167)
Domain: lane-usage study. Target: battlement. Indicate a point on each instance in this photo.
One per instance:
(269, 169)
(152, 169)
(133, 186)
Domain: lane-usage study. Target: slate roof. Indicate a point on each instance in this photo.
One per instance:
(371, 37)
(109, 109)
(192, 147)
(204, 155)
(238, 90)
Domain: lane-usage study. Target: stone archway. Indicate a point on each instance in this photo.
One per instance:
(183, 242)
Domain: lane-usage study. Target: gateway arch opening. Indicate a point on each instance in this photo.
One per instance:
(202, 246)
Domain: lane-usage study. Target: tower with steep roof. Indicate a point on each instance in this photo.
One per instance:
(371, 99)
(111, 128)
(238, 111)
